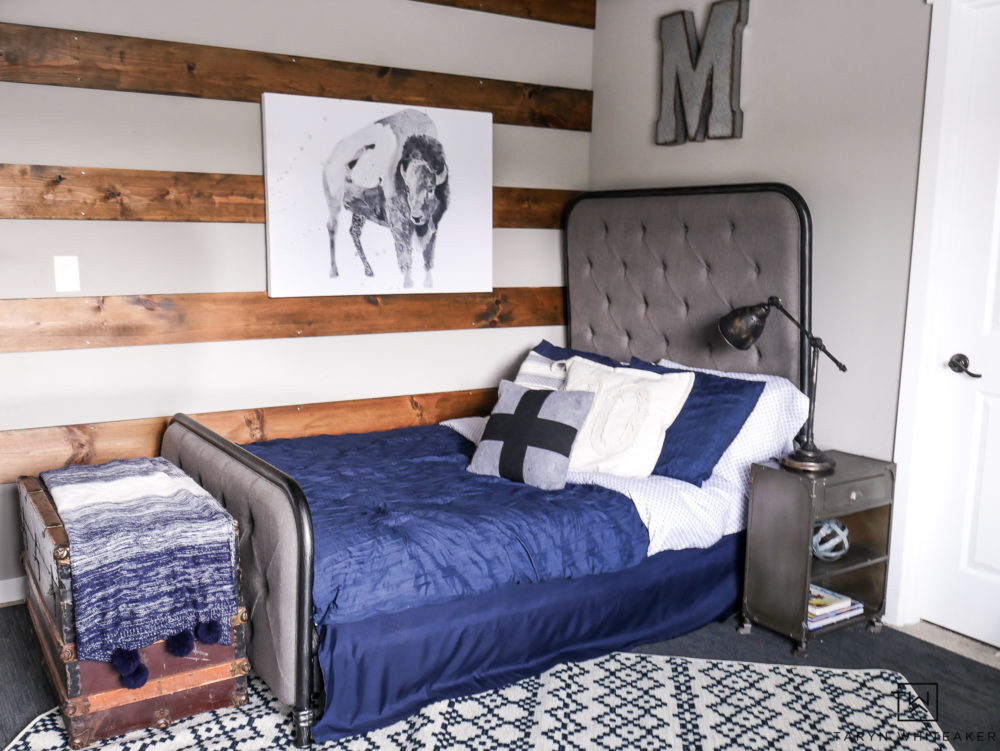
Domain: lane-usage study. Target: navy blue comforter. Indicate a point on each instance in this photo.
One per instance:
(399, 522)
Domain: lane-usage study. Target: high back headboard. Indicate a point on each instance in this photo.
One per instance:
(652, 271)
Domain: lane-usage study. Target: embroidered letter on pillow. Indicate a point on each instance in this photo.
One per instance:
(529, 435)
(623, 433)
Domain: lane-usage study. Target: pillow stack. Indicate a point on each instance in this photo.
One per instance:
(634, 420)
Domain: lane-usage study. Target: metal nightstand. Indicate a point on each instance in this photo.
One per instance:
(780, 565)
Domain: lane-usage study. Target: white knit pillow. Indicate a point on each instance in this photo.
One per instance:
(623, 432)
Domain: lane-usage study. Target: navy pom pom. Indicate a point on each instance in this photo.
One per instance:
(137, 678)
(125, 661)
(181, 643)
(208, 632)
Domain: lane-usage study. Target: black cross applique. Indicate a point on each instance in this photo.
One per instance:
(525, 428)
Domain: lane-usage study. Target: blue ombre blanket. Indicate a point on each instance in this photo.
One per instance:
(151, 553)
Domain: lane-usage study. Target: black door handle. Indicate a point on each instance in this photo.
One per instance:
(960, 364)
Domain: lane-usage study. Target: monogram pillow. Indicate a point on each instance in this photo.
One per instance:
(529, 435)
(623, 433)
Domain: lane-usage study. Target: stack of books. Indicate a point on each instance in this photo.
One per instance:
(826, 607)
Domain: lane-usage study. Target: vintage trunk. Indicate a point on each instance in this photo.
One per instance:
(93, 702)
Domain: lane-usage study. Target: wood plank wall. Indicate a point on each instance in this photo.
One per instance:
(572, 12)
(33, 450)
(63, 57)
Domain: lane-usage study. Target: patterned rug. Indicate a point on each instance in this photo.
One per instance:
(621, 701)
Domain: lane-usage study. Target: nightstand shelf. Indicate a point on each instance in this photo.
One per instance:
(784, 506)
(857, 557)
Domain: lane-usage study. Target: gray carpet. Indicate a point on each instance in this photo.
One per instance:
(24, 691)
(968, 692)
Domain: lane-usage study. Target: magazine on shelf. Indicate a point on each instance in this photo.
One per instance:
(854, 609)
(823, 601)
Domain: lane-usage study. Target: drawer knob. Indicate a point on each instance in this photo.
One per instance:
(856, 494)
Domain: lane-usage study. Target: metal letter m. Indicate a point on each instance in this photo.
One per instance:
(700, 88)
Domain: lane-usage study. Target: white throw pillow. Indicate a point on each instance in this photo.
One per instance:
(623, 433)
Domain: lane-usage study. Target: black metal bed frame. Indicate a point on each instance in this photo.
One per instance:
(308, 681)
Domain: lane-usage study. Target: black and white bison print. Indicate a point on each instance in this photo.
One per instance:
(392, 172)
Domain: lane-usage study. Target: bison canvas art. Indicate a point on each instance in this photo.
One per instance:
(392, 172)
(371, 198)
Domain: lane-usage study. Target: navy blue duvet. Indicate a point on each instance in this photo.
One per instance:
(398, 522)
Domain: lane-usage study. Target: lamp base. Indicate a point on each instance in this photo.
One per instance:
(808, 459)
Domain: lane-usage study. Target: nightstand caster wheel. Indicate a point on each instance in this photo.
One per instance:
(745, 627)
(875, 626)
(801, 648)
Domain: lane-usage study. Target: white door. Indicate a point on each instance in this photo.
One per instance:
(948, 431)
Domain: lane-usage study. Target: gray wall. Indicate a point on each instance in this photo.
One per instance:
(76, 127)
(832, 96)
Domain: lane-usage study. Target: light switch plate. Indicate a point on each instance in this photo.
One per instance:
(67, 270)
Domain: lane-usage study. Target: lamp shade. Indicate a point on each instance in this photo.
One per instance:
(741, 327)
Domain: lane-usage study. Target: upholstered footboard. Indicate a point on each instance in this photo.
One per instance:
(276, 557)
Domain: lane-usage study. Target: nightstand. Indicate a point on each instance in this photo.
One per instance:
(780, 565)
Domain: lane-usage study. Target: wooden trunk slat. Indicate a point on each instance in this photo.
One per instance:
(62, 57)
(32, 191)
(165, 685)
(570, 12)
(32, 450)
(165, 708)
(47, 640)
(43, 324)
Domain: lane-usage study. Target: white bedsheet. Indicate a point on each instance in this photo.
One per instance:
(677, 514)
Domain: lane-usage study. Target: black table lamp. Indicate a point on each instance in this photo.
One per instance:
(741, 327)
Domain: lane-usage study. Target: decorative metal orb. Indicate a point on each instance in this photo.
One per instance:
(830, 539)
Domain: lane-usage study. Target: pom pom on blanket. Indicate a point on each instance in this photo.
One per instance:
(125, 661)
(181, 643)
(133, 673)
(208, 632)
(137, 678)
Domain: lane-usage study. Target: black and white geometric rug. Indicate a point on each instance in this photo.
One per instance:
(620, 701)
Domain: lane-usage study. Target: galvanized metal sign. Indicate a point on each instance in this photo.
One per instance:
(700, 85)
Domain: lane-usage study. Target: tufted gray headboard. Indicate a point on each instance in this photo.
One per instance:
(652, 271)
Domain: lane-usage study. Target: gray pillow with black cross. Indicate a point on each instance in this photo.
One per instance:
(529, 435)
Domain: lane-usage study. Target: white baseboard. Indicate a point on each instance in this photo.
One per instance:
(12, 591)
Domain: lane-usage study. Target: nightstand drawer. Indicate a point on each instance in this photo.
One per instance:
(858, 494)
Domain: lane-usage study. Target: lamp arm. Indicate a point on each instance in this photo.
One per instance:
(814, 341)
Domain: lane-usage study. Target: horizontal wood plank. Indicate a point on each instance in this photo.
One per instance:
(61, 57)
(34, 325)
(570, 12)
(32, 191)
(530, 207)
(33, 450)
(354, 416)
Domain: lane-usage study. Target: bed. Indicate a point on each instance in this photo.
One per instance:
(649, 274)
